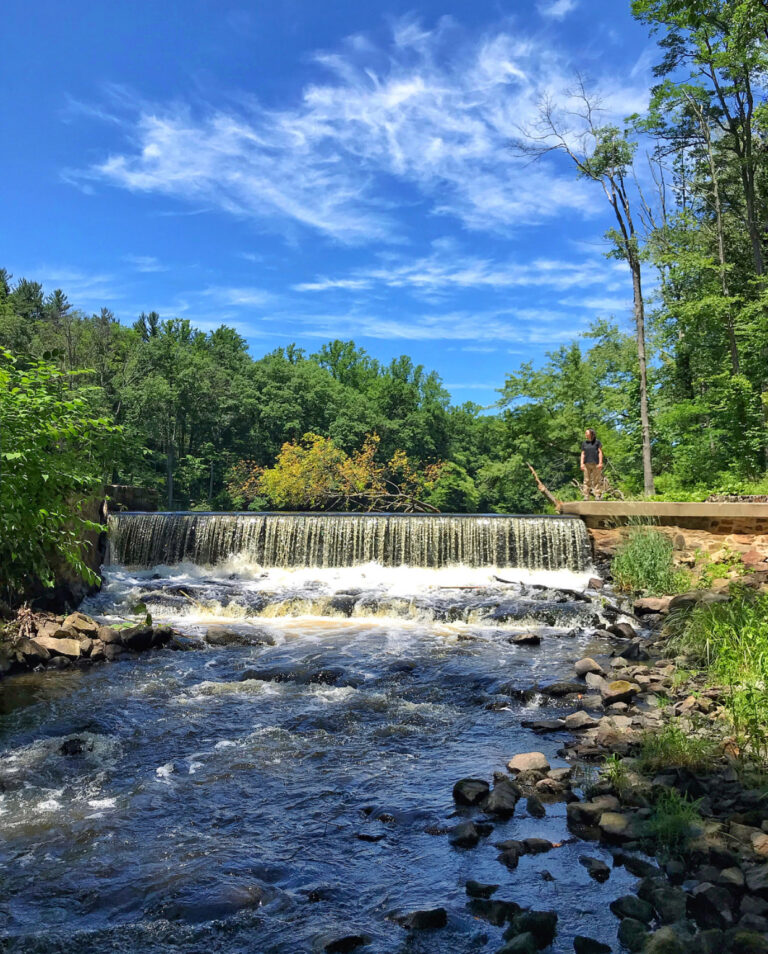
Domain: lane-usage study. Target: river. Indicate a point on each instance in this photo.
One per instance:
(272, 795)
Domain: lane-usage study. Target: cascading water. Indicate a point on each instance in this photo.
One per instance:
(284, 785)
(343, 539)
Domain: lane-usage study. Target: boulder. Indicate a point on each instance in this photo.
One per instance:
(541, 925)
(559, 689)
(527, 762)
(138, 638)
(526, 639)
(345, 943)
(596, 868)
(589, 813)
(633, 934)
(60, 647)
(475, 889)
(535, 807)
(579, 721)
(618, 691)
(623, 630)
(113, 651)
(32, 650)
(711, 906)
(465, 835)
(470, 791)
(747, 942)
(428, 919)
(522, 944)
(80, 624)
(586, 665)
(617, 827)
(503, 798)
(667, 941)
(630, 906)
(110, 635)
(652, 604)
(588, 945)
(495, 912)
(536, 846)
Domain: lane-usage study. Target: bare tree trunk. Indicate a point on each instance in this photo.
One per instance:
(645, 424)
(169, 473)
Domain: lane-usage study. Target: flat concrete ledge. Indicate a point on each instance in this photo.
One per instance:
(715, 517)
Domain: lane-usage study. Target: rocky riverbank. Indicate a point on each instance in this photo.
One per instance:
(45, 641)
(655, 777)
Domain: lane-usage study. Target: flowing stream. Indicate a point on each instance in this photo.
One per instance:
(290, 784)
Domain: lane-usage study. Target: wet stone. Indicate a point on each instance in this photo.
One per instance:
(542, 925)
(588, 945)
(630, 906)
(495, 912)
(632, 934)
(425, 920)
(503, 798)
(342, 945)
(465, 835)
(526, 639)
(522, 944)
(476, 889)
(535, 807)
(470, 791)
(596, 869)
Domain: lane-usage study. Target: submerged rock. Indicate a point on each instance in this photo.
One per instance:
(428, 919)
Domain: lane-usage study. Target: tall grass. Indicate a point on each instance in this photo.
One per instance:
(675, 819)
(730, 641)
(644, 562)
(672, 747)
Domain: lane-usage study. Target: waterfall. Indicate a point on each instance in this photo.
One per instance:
(348, 539)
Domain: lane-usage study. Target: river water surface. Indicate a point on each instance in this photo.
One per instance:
(273, 795)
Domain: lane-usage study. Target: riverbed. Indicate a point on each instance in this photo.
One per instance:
(293, 787)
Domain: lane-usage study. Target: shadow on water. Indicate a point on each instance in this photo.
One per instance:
(274, 795)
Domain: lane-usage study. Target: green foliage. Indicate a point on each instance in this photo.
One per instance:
(454, 491)
(615, 771)
(671, 747)
(52, 445)
(674, 821)
(644, 563)
(730, 640)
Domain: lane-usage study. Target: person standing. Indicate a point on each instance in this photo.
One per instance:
(592, 465)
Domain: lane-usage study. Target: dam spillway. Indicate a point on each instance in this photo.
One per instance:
(349, 539)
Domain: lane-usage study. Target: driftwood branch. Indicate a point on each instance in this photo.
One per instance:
(557, 504)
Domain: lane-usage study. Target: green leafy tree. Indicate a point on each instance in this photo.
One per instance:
(51, 453)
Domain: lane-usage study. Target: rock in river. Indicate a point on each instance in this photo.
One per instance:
(470, 791)
(527, 762)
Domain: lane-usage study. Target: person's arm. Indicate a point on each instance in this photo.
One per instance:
(600, 457)
(581, 462)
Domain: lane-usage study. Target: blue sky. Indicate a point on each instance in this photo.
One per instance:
(303, 171)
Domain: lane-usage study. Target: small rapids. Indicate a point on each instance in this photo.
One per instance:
(287, 780)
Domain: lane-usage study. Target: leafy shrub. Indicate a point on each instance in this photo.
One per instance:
(51, 453)
(644, 562)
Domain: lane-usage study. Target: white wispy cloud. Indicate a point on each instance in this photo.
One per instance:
(524, 326)
(446, 271)
(435, 111)
(145, 263)
(557, 9)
